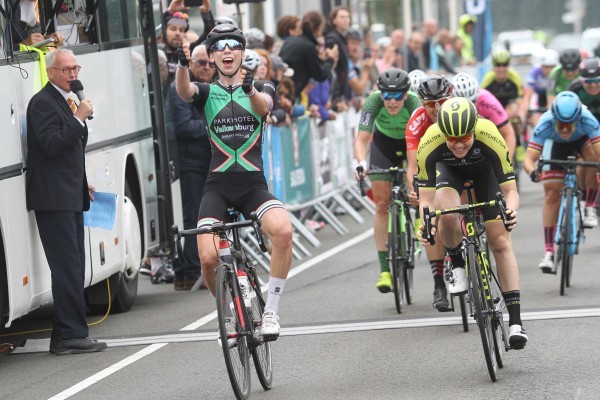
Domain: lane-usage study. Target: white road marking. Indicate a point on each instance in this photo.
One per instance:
(204, 320)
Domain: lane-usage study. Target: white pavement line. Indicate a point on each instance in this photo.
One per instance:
(204, 320)
(107, 372)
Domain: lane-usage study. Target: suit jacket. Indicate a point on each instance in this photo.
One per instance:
(56, 179)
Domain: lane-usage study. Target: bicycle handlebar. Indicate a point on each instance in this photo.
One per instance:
(569, 164)
(464, 209)
(217, 228)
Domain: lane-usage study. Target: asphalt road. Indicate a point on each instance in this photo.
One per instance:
(341, 338)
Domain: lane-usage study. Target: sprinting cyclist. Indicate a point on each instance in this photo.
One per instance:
(461, 147)
(564, 129)
(235, 109)
(534, 91)
(587, 88)
(433, 91)
(383, 118)
(562, 75)
(487, 105)
(504, 83)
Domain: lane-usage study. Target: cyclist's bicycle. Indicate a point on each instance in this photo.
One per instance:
(569, 231)
(484, 294)
(239, 306)
(401, 243)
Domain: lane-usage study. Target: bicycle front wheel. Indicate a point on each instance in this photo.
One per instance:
(408, 253)
(565, 232)
(261, 351)
(479, 297)
(463, 312)
(394, 255)
(231, 323)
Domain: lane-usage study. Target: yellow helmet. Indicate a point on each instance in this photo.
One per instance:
(500, 57)
(457, 117)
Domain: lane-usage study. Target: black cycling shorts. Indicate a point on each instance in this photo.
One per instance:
(386, 153)
(485, 184)
(560, 151)
(244, 191)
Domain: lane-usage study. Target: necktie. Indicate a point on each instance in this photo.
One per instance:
(72, 104)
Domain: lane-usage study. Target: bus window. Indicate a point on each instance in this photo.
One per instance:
(121, 20)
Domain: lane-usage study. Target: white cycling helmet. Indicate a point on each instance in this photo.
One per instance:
(465, 85)
(251, 60)
(416, 76)
(549, 58)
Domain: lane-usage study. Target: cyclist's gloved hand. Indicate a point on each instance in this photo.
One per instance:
(247, 86)
(182, 58)
(535, 176)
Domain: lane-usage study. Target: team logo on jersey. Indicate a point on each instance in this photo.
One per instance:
(476, 151)
(365, 118)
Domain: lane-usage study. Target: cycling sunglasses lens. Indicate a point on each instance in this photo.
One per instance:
(501, 65)
(432, 103)
(460, 139)
(231, 43)
(591, 80)
(393, 95)
(570, 126)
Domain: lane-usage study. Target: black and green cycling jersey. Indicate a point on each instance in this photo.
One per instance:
(592, 102)
(235, 130)
(392, 126)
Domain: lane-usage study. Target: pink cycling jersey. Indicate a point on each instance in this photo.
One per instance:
(490, 108)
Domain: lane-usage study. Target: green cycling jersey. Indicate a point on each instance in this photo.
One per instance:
(392, 126)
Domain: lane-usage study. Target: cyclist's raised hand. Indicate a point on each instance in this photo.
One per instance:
(246, 79)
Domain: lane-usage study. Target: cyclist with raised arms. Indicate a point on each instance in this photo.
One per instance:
(433, 90)
(235, 108)
(383, 119)
(462, 147)
(564, 129)
(587, 88)
(562, 75)
(488, 106)
(504, 83)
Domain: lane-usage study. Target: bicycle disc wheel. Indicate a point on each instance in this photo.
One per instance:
(261, 353)
(567, 257)
(394, 257)
(237, 357)
(480, 305)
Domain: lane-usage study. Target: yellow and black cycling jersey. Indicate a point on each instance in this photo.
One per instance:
(507, 91)
(489, 151)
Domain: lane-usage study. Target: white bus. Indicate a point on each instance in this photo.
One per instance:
(126, 153)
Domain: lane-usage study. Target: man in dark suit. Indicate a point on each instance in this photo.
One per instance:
(58, 192)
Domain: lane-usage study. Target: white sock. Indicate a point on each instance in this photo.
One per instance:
(275, 289)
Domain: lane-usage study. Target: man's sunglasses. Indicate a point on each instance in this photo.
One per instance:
(459, 139)
(589, 81)
(203, 63)
(392, 95)
(231, 43)
(501, 65)
(433, 103)
(569, 126)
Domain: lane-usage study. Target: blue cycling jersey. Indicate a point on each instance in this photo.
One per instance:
(545, 129)
(537, 81)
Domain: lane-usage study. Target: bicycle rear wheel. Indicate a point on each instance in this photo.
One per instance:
(565, 231)
(261, 351)
(231, 322)
(483, 316)
(394, 254)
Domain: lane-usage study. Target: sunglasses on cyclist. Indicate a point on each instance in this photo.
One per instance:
(392, 95)
(501, 65)
(569, 126)
(459, 139)
(589, 81)
(433, 103)
(231, 43)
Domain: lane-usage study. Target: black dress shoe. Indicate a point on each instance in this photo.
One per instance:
(62, 347)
